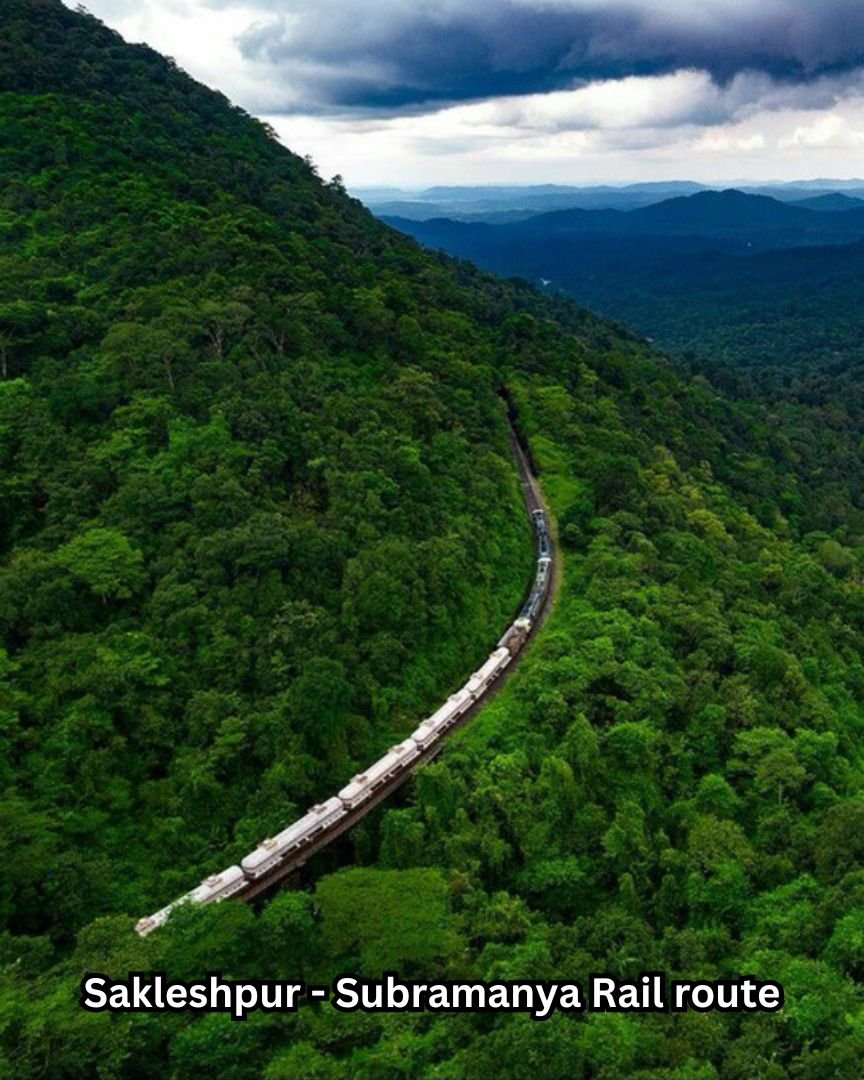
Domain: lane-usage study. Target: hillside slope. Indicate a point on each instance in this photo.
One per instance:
(258, 513)
(257, 500)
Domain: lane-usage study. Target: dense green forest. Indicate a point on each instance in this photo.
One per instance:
(258, 514)
(793, 311)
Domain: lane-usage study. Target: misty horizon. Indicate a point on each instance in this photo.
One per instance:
(729, 185)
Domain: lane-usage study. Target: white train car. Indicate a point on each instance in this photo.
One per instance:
(366, 783)
(484, 675)
(272, 851)
(504, 658)
(216, 887)
(425, 734)
(451, 710)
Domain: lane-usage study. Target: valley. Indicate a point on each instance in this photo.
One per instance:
(711, 275)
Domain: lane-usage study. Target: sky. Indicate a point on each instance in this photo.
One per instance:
(414, 93)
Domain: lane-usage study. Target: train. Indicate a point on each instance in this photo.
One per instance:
(322, 817)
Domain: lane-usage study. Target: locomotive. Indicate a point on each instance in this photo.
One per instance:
(275, 850)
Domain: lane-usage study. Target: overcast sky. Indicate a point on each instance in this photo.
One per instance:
(421, 92)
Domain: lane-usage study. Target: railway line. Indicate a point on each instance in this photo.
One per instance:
(278, 857)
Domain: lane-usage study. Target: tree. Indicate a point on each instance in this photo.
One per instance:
(106, 562)
(388, 920)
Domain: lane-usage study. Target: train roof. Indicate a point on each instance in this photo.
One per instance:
(287, 836)
(485, 670)
(375, 771)
(448, 708)
(423, 730)
(213, 884)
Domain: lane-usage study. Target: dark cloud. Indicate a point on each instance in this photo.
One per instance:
(395, 55)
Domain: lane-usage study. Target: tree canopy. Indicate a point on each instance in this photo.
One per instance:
(258, 516)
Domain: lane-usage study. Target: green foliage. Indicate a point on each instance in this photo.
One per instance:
(105, 561)
(258, 515)
(258, 512)
(387, 920)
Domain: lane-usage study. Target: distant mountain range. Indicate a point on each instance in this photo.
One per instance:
(746, 221)
(500, 204)
(832, 201)
(713, 271)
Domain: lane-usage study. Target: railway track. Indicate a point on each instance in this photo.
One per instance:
(244, 889)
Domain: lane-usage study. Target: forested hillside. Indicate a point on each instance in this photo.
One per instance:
(258, 505)
(257, 514)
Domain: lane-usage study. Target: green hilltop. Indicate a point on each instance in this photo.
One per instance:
(258, 516)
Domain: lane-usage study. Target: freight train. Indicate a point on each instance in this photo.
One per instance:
(283, 847)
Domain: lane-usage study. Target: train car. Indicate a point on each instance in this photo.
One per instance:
(544, 567)
(445, 717)
(529, 613)
(465, 701)
(544, 543)
(451, 710)
(517, 635)
(493, 667)
(365, 784)
(539, 589)
(272, 851)
(425, 734)
(216, 887)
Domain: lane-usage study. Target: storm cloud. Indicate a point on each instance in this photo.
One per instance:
(454, 91)
(401, 55)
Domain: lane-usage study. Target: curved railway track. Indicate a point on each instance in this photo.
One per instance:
(233, 882)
